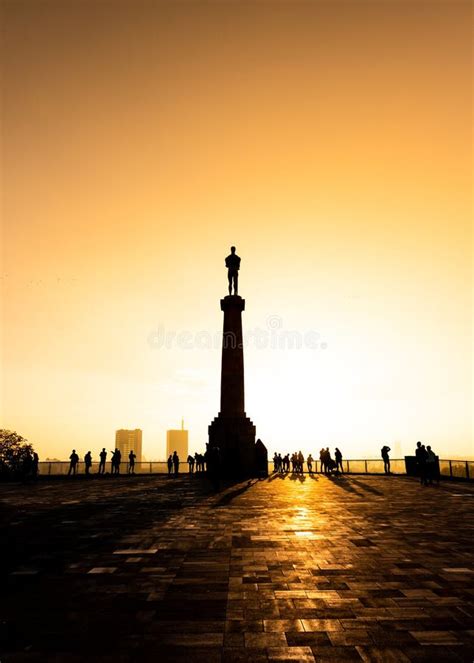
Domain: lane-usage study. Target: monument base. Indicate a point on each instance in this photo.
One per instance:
(240, 455)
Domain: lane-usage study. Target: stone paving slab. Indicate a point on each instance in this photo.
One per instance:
(283, 569)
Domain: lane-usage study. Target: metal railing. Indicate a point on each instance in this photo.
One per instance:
(458, 469)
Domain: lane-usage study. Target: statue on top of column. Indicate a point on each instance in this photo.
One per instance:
(232, 262)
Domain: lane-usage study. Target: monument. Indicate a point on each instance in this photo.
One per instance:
(232, 433)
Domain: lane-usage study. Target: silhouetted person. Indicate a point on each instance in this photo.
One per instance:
(330, 464)
(73, 461)
(118, 460)
(338, 459)
(103, 458)
(170, 464)
(88, 461)
(131, 462)
(27, 465)
(431, 463)
(232, 262)
(190, 462)
(176, 463)
(275, 462)
(386, 459)
(322, 460)
(293, 462)
(115, 461)
(421, 457)
(34, 465)
(300, 462)
(199, 459)
(309, 463)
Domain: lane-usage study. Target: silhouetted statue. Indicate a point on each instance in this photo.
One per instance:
(74, 459)
(232, 262)
(103, 458)
(386, 459)
(88, 461)
(131, 462)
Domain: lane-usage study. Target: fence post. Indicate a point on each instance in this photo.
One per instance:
(467, 470)
(49, 468)
(348, 467)
(450, 470)
(150, 468)
(366, 471)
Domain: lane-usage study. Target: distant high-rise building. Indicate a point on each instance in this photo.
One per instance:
(177, 440)
(129, 440)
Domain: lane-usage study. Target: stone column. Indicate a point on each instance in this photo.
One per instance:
(232, 373)
(232, 431)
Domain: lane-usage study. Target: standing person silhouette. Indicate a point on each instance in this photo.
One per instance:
(386, 459)
(176, 463)
(338, 459)
(170, 464)
(103, 458)
(232, 262)
(88, 461)
(322, 461)
(421, 458)
(74, 459)
(131, 462)
(431, 465)
(329, 461)
(300, 462)
(113, 461)
(34, 465)
(309, 462)
(118, 460)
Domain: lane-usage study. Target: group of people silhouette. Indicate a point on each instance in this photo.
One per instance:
(196, 463)
(427, 464)
(30, 464)
(173, 464)
(282, 464)
(115, 462)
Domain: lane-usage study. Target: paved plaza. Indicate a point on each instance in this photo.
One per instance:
(285, 569)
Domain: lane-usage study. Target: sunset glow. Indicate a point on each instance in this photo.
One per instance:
(330, 142)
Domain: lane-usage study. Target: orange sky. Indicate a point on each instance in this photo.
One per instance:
(330, 141)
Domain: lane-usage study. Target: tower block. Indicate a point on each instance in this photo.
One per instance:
(232, 431)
